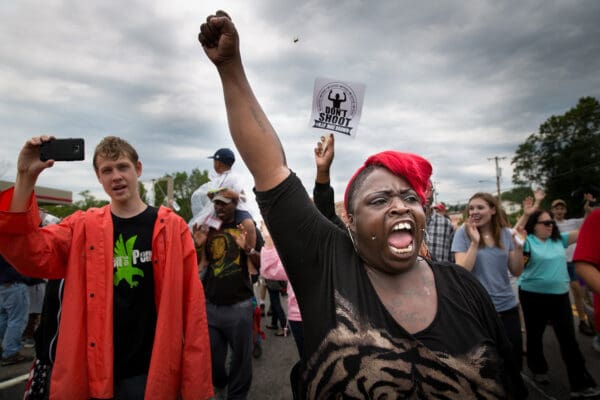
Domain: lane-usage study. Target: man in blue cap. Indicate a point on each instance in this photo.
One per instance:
(225, 178)
(221, 178)
(223, 160)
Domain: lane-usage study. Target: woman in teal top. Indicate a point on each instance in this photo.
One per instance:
(544, 295)
(546, 273)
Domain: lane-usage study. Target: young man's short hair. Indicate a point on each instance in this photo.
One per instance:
(113, 147)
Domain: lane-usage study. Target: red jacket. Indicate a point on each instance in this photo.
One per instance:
(80, 249)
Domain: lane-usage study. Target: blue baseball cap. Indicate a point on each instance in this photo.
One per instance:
(224, 155)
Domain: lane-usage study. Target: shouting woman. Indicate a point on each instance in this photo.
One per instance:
(378, 319)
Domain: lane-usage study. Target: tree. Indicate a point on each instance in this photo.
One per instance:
(183, 187)
(517, 194)
(143, 192)
(88, 201)
(564, 156)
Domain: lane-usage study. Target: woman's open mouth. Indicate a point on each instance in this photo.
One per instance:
(400, 241)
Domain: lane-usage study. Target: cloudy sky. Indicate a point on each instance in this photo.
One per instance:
(458, 82)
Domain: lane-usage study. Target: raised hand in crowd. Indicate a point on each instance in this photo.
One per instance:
(220, 39)
(250, 128)
(324, 153)
(531, 204)
(200, 234)
(240, 236)
(29, 167)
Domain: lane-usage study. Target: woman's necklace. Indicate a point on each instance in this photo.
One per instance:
(488, 238)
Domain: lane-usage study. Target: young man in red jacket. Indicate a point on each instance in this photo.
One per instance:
(133, 320)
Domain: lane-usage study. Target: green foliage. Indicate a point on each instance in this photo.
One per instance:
(183, 187)
(88, 201)
(143, 192)
(517, 194)
(61, 211)
(456, 208)
(564, 155)
(513, 218)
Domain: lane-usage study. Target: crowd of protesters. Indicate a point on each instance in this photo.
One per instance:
(385, 301)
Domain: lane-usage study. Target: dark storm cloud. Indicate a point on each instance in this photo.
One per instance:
(458, 82)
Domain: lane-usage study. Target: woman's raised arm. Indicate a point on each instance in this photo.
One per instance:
(252, 133)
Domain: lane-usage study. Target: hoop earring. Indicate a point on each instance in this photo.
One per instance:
(352, 239)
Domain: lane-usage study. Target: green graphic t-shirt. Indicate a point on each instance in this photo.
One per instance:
(134, 308)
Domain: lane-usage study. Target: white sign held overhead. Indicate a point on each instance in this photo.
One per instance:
(337, 106)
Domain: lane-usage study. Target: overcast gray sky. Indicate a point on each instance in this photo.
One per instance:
(455, 81)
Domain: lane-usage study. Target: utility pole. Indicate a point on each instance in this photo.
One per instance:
(170, 185)
(435, 194)
(170, 198)
(498, 175)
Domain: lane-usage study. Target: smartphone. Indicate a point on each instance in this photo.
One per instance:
(62, 150)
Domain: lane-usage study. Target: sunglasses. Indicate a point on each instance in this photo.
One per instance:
(547, 223)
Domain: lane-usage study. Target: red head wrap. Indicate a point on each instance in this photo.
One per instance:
(415, 169)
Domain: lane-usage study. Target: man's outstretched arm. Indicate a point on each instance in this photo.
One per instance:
(252, 133)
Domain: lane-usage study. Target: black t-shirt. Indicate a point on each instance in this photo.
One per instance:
(353, 347)
(227, 280)
(134, 307)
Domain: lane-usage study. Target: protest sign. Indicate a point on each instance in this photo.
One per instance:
(337, 106)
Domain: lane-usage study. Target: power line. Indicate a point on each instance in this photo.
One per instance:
(571, 171)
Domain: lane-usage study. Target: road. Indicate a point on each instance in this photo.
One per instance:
(271, 370)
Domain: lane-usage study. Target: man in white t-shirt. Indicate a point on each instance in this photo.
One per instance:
(559, 209)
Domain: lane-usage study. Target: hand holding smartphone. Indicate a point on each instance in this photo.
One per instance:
(62, 150)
